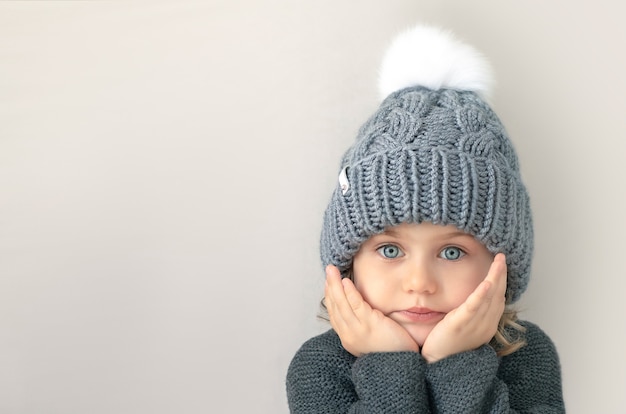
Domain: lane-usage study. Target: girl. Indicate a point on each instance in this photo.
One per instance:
(427, 241)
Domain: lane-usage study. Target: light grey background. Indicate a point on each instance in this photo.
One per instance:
(164, 167)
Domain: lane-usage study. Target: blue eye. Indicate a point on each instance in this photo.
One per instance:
(389, 251)
(451, 253)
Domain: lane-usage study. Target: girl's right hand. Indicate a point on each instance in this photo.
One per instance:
(361, 329)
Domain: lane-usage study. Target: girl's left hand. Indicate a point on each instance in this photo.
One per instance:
(475, 321)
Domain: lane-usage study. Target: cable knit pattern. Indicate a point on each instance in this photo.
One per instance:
(323, 378)
(439, 156)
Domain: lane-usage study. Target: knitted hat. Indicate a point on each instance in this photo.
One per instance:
(434, 151)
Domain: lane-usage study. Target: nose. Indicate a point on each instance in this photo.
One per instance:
(420, 278)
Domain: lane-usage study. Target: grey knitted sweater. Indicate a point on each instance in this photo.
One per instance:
(323, 378)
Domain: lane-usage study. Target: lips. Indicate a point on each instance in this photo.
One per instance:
(419, 314)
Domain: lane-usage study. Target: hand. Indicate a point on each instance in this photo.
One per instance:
(361, 329)
(475, 321)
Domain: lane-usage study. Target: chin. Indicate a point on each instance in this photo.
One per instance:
(419, 333)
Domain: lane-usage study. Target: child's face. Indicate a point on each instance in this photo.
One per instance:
(417, 273)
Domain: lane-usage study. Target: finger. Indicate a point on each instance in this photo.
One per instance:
(478, 297)
(355, 299)
(332, 278)
(491, 285)
(501, 289)
(490, 292)
(341, 308)
(328, 298)
(497, 277)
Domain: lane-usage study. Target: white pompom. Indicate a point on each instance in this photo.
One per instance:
(434, 58)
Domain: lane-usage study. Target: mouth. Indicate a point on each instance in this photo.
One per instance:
(418, 314)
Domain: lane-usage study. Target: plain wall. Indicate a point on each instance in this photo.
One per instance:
(164, 167)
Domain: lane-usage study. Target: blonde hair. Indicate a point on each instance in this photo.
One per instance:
(509, 336)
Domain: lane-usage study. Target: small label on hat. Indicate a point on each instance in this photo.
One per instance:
(343, 180)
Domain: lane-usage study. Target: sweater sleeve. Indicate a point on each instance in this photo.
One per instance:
(324, 378)
(391, 382)
(527, 381)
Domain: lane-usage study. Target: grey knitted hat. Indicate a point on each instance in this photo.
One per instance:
(434, 151)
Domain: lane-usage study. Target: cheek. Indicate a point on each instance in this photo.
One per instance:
(367, 287)
(469, 283)
(461, 293)
(375, 290)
